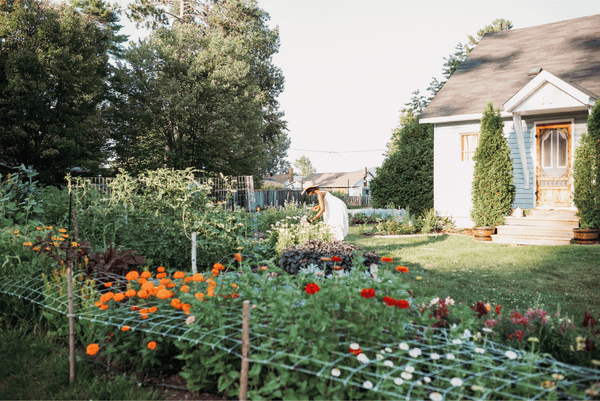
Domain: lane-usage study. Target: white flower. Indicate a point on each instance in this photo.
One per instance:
(409, 368)
(368, 385)
(450, 356)
(388, 350)
(453, 326)
(389, 364)
(406, 376)
(434, 301)
(449, 301)
(480, 350)
(466, 335)
(511, 354)
(456, 382)
(335, 372)
(419, 383)
(362, 358)
(456, 341)
(415, 352)
(354, 346)
(398, 381)
(427, 379)
(487, 330)
(434, 356)
(435, 396)
(403, 346)
(379, 357)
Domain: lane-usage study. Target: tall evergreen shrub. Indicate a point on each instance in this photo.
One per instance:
(406, 177)
(492, 190)
(586, 175)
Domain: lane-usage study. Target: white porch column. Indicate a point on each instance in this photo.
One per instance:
(521, 143)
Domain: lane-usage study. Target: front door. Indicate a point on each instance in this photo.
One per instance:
(554, 165)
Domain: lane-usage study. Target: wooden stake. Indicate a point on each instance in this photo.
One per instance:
(194, 268)
(245, 351)
(71, 322)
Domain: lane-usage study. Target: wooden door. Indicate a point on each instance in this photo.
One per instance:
(554, 165)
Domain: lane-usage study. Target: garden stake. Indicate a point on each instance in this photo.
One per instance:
(71, 322)
(194, 269)
(245, 351)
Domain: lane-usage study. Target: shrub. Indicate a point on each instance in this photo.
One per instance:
(18, 198)
(297, 231)
(586, 173)
(492, 190)
(406, 176)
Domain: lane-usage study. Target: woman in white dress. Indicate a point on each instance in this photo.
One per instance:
(333, 210)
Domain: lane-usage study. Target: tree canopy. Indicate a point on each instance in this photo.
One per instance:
(304, 166)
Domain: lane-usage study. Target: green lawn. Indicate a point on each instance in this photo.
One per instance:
(516, 277)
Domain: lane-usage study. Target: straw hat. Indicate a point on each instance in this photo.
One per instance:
(307, 185)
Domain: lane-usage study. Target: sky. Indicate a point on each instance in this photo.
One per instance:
(350, 66)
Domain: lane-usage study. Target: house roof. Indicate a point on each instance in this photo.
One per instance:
(498, 66)
(336, 180)
(279, 178)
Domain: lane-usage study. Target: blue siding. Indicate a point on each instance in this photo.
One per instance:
(524, 198)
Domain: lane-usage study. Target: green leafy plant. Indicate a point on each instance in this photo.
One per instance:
(319, 253)
(586, 173)
(492, 190)
(18, 198)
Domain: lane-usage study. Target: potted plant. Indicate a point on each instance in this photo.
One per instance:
(586, 176)
(492, 191)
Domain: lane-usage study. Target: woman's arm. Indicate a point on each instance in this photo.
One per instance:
(321, 198)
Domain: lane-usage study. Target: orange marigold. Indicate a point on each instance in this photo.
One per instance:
(141, 280)
(164, 294)
(130, 293)
(133, 275)
(387, 259)
(119, 297)
(62, 230)
(134, 308)
(152, 344)
(214, 272)
(211, 282)
(98, 304)
(176, 303)
(210, 292)
(144, 311)
(234, 285)
(186, 307)
(92, 349)
(107, 285)
(185, 288)
(146, 275)
(125, 328)
(160, 269)
(179, 275)
(143, 294)
(199, 295)
(188, 279)
(402, 269)
(218, 266)
(148, 285)
(153, 309)
(165, 281)
(238, 257)
(161, 275)
(144, 316)
(197, 277)
(104, 307)
(107, 297)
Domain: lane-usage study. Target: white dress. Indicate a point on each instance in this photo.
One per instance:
(336, 215)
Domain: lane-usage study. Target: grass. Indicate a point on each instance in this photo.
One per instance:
(34, 366)
(555, 278)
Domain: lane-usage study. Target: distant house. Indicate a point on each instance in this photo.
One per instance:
(545, 80)
(354, 183)
(283, 181)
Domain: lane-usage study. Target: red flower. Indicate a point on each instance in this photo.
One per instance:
(336, 259)
(480, 309)
(588, 320)
(402, 304)
(498, 309)
(402, 269)
(387, 259)
(355, 351)
(389, 301)
(367, 293)
(589, 345)
(312, 288)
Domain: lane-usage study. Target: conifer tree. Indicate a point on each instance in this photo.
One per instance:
(493, 190)
(586, 173)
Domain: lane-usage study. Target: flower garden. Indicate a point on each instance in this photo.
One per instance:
(336, 323)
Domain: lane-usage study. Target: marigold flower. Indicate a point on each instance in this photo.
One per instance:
(147, 286)
(160, 269)
(107, 296)
(238, 257)
(125, 328)
(143, 294)
(402, 269)
(176, 303)
(214, 272)
(389, 301)
(211, 282)
(65, 236)
(92, 349)
(144, 316)
(165, 281)
(161, 275)
(186, 307)
(402, 304)
(199, 295)
(98, 304)
(197, 277)
(107, 285)
(39, 228)
(16, 232)
(74, 244)
(104, 307)
(387, 259)
(184, 288)
(62, 230)
(325, 259)
(119, 297)
(263, 268)
(164, 294)
(336, 259)
(179, 275)
(171, 285)
(355, 351)
(210, 292)
(153, 309)
(130, 293)
(144, 311)
(337, 267)
(367, 293)
(134, 308)
(49, 227)
(218, 266)
(312, 288)
(132, 275)
(152, 345)
(27, 243)
(234, 285)
(146, 275)
(187, 279)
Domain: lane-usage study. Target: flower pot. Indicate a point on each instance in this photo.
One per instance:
(483, 233)
(586, 236)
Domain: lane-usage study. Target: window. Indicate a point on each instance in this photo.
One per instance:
(468, 144)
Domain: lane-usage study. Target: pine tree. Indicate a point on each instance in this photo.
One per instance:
(586, 175)
(493, 190)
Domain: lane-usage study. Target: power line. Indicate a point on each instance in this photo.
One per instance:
(339, 151)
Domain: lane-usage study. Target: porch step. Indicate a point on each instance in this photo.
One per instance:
(540, 227)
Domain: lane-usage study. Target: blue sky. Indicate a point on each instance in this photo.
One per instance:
(350, 66)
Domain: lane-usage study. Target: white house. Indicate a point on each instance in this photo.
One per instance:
(355, 183)
(545, 80)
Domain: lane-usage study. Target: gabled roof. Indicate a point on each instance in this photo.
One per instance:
(279, 178)
(336, 180)
(498, 67)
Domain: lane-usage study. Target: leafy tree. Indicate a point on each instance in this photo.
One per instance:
(202, 94)
(586, 173)
(54, 72)
(405, 178)
(304, 165)
(493, 191)
(498, 25)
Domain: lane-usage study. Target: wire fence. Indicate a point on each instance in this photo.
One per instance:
(417, 362)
